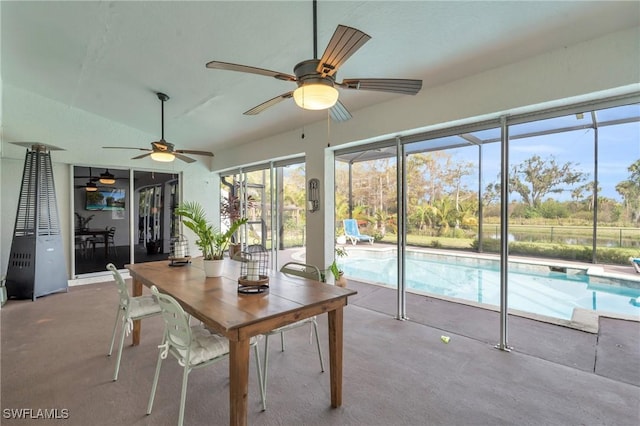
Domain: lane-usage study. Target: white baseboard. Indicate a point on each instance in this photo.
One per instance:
(96, 278)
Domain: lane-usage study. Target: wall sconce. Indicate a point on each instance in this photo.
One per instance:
(313, 195)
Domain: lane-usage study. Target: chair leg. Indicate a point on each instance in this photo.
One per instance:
(115, 375)
(115, 327)
(183, 394)
(265, 369)
(315, 329)
(282, 342)
(260, 377)
(155, 384)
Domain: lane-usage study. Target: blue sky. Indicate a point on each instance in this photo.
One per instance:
(619, 147)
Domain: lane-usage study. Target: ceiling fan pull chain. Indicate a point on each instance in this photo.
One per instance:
(328, 128)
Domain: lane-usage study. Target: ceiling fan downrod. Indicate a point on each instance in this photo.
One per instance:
(163, 98)
(315, 29)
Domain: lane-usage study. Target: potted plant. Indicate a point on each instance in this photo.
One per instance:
(83, 222)
(230, 210)
(338, 274)
(211, 241)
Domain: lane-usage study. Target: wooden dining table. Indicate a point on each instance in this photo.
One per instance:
(217, 303)
(101, 233)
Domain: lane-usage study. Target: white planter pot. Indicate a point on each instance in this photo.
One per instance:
(213, 268)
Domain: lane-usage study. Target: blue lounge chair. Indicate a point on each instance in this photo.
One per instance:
(635, 261)
(352, 232)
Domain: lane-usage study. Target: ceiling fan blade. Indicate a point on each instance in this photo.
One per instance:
(344, 43)
(258, 109)
(190, 151)
(339, 112)
(184, 158)
(141, 156)
(393, 85)
(125, 147)
(252, 70)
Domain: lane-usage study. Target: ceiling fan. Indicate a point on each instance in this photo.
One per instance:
(162, 150)
(316, 78)
(105, 178)
(90, 186)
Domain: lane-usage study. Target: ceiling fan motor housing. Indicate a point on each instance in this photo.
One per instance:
(162, 146)
(315, 91)
(307, 73)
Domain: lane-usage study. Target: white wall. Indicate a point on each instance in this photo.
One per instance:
(606, 65)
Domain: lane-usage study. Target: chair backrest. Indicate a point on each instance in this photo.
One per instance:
(301, 270)
(255, 248)
(350, 227)
(123, 291)
(112, 232)
(177, 329)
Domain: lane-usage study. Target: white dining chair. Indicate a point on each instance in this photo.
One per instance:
(193, 346)
(129, 309)
(300, 270)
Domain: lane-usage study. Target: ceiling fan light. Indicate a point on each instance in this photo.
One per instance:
(164, 157)
(315, 96)
(91, 187)
(107, 178)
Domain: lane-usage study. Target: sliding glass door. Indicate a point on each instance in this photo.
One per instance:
(122, 216)
(101, 216)
(272, 198)
(156, 195)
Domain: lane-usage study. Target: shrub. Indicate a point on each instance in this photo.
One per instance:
(608, 255)
(551, 209)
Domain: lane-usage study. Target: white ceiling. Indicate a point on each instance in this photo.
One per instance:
(109, 58)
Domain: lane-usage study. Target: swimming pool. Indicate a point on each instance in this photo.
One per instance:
(539, 289)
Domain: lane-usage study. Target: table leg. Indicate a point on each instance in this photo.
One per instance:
(238, 381)
(136, 290)
(335, 355)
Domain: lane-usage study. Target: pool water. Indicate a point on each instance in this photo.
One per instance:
(532, 288)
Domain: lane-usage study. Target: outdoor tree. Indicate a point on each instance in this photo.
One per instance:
(417, 184)
(491, 193)
(536, 177)
(453, 178)
(584, 194)
(630, 191)
(422, 216)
